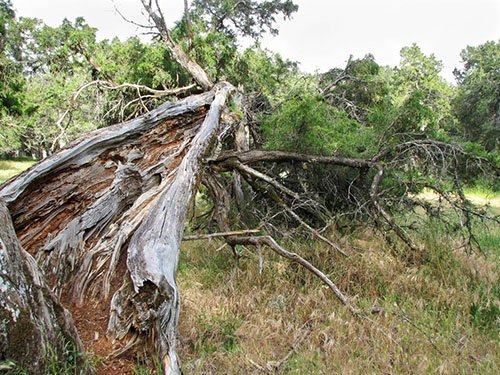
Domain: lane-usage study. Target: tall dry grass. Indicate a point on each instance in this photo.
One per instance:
(437, 315)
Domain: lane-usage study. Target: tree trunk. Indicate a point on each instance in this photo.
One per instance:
(35, 330)
(105, 216)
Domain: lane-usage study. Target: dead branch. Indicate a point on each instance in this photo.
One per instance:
(110, 85)
(221, 234)
(273, 245)
(257, 156)
(240, 160)
(191, 66)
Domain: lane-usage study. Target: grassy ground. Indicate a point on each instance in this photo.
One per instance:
(440, 314)
(477, 195)
(10, 168)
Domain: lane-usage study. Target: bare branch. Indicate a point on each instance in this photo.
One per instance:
(220, 234)
(273, 245)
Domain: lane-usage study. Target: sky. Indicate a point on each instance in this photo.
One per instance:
(323, 33)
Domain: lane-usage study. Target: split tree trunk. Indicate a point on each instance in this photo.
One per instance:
(105, 216)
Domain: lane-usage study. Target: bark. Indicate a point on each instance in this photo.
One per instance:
(35, 330)
(259, 156)
(241, 144)
(153, 253)
(110, 209)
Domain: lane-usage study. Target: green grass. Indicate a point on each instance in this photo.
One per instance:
(10, 168)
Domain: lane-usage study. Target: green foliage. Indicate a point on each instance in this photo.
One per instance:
(477, 105)
(420, 95)
(262, 71)
(133, 61)
(12, 82)
(42, 68)
(358, 89)
(363, 107)
(485, 312)
(307, 124)
(215, 51)
(60, 49)
(245, 17)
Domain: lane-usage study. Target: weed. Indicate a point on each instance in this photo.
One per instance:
(12, 368)
(68, 360)
(435, 315)
(485, 312)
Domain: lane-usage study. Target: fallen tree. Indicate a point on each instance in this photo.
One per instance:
(104, 217)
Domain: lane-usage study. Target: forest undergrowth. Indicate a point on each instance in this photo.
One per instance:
(437, 311)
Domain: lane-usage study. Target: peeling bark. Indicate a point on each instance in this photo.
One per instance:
(153, 253)
(120, 193)
(34, 327)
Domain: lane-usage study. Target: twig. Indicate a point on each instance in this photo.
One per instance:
(220, 234)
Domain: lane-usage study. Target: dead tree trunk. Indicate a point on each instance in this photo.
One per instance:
(34, 328)
(153, 253)
(105, 216)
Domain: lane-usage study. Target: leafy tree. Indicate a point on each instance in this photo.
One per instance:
(421, 96)
(308, 124)
(477, 105)
(243, 17)
(357, 88)
(11, 79)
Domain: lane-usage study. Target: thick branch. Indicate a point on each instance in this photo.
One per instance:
(220, 234)
(196, 71)
(256, 156)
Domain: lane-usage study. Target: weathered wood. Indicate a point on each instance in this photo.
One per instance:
(34, 328)
(153, 252)
(75, 210)
(259, 156)
(220, 234)
(96, 143)
(77, 213)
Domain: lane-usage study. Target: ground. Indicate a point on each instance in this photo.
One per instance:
(437, 311)
(10, 168)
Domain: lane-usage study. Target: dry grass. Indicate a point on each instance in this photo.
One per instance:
(436, 316)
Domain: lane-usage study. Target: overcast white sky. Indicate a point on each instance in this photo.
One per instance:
(323, 33)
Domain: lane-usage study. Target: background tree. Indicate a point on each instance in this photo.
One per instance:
(245, 18)
(477, 105)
